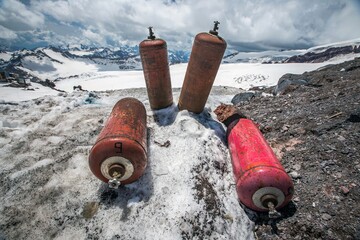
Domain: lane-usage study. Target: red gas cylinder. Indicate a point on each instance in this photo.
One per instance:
(261, 181)
(119, 154)
(206, 55)
(154, 59)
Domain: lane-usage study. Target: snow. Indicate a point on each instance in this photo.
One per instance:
(80, 53)
(47, 181)
(21, 94)
(239, 75)
(47, 68)
(6, 56)
(187, 190)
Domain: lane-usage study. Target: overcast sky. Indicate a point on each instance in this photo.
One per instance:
(244, 24)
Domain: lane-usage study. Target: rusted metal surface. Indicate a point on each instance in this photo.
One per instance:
(122, 144)
(206, 55)
(259, 175)
(228, 113)
(154, 59)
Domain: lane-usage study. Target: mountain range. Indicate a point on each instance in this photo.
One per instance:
(56, 63)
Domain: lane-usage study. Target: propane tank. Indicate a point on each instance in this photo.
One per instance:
(154, 59)
(206, 55)
(119, 154)
(261, 181)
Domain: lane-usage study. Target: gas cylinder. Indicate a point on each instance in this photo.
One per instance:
(119, 154)
(154, 59)
(205, 58)
(261, 181)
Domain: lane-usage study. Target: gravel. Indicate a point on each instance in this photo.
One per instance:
(314, 129)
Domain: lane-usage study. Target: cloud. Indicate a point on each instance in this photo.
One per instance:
(7, 33)
(17, 17)
(246, 24)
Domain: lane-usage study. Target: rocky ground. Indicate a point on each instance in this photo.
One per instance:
(313, 124)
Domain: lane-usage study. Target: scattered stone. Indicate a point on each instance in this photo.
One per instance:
(341, 138)
(326, 217)
(165, 144)
(337, 175)
(266, 129)
(296, 199)
(344, 190)
(90, 209)
(295, 175)
(285, 128)
(297, 167)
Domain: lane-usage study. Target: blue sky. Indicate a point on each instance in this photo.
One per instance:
(245, 25)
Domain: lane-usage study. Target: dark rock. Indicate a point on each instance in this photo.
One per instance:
(284, 85)
(242, 97)
(92, 97)
(355, 116)
(49, 83)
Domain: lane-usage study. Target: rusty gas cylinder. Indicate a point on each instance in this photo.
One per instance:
(119, 154)
(206, 55)
(261, 181)
(154, 59)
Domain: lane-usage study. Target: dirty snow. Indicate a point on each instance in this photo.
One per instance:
(48, 191)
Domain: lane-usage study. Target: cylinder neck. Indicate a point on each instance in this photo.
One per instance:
(228, 114)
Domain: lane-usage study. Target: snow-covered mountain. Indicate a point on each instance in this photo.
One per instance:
(57, 63)
(312, 55)
(66, 67)
(271, 56)
(326, 52)
(126, 57)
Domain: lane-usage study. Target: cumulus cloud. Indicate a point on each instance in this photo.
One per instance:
(16, 16)
(245, 24)
(7, 33)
